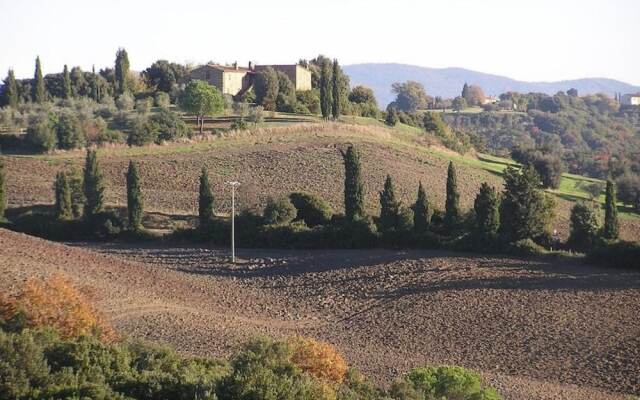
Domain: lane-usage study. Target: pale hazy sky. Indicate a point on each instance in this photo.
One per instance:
(536, 40)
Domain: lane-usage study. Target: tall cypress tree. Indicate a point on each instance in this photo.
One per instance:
(93, 186)
(63, 206)
(353, 185)
(39, 93)
(135, 203)
(95, 88)
(122, 71)
(3, 193)
(336, 106)
(611, 228)
(487, 212)
(325, 89)
(66, 83)
(205, 200)
(452, 206)
(421, 211)
(389, 207)
(11, 90)
(465, 91)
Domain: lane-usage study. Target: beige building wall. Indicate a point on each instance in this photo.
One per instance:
(303, 78)
(233, 82)
(228, 81)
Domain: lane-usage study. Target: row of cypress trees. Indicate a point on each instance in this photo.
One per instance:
(67, 199)
(330, 99)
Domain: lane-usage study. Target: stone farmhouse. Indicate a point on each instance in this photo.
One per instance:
(235, 80)
(630, 99)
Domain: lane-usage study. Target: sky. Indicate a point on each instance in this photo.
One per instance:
(541, 40)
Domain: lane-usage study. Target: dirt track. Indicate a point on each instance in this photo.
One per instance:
(533, 328)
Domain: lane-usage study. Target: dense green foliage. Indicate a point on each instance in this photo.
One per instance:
(10, 96)
(164, 76)
(336, 103)
(93, 185)
(452, 201)
(611, 227)
(353, 184)
(135, 203)
(279, 211)
(122, 71)
(39, 93)
(486, 207)
(526, 211)
(326, 88)
(63, 207)
(266, 87)
(205, 201)
(585, 226)
(201, 99)
(393, 216)
(421, 211)
(311, 209)
(410, 96)
(66, 86)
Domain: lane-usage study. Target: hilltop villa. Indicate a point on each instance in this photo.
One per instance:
(630, 99)
(235, 80)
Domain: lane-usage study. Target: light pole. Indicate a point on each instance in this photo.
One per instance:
(234, 185)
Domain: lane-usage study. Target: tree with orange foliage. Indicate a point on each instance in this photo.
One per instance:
(54, 302)
(318, 359)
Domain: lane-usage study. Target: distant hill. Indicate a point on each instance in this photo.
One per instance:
(448, 82)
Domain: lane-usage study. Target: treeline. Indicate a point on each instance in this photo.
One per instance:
(516, 220)
(53, 346)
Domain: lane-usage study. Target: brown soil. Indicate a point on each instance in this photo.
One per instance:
(268, 164)
(536, 329)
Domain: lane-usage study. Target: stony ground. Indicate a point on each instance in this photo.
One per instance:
(535, 329)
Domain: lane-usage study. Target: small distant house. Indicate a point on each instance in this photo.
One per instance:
(232, 80)
(235, 81)
(299, 75)
(490, 100)
(630, 99)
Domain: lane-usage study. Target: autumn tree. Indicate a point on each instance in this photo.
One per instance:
(353, 184)
(611, 228)
(318, 359)
(205, 200)
(93, 185)
(135, 202)
(55, 303)
(122, 71)
(452, 203)
(421, 211)
(39, 92)
(201, 99)
(63, 206)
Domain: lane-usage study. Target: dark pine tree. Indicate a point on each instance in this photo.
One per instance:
(353, 185)
(611, 227)
(487, 212)
(66, 83)
(3, 193)
(122, 71)
(11, 96)
(452, 203)
(205, 201)
(63, 206)
(336, 106)
(135, 203)
(421, 211)
(93, 186)
(389, 207)
(39, 92)
(465, 91)
(325, 89)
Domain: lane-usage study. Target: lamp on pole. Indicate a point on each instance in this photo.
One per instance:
(234, 185)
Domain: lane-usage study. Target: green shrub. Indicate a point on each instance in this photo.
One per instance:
(68, 131)
(445, 382)
(311, 209)
(41, 134)
(585, 226)
(162, 100)
(279, 211)
(525, 247)
(239, 124)
(142, 133)
(618, 254)
(169, 126)
(105, 225)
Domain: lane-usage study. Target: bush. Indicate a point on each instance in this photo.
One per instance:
(239, 124)
(168, 125)
(446, 382)
(41, 134)
(311, 209)
(69, 131)
(143, 106)
(105, 225)
(525, 247)
(162, 100)
(125, 102)
(585, 226)
(618, 254)
(256, 115)
(142, 133)
(318, 359)
(278, 212)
